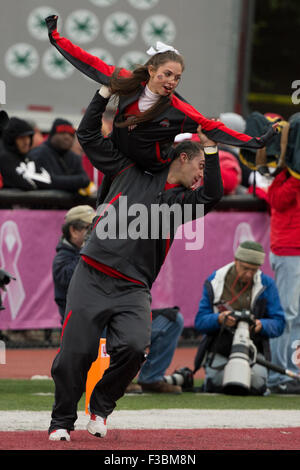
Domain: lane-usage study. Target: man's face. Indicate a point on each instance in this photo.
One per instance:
(23, 144)
(78, 235)
(245, 271)
(191, 171)
(165, 78)
(63, 140)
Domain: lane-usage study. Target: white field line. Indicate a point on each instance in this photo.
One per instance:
(161, 419)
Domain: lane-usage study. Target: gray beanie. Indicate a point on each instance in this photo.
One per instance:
(250, 252)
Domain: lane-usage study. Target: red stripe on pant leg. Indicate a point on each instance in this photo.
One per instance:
(65, 323)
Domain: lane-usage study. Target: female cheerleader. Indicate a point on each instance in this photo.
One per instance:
(150, 113)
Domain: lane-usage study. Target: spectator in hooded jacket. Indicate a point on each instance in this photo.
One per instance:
(56, 156)
(17, 168)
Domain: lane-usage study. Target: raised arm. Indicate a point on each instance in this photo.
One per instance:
(216, 130)
(211, 191)
(88, 64)
(100, 150)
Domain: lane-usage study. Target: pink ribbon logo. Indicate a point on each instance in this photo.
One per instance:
(10, 249)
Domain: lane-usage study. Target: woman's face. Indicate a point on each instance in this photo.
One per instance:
(165, 78)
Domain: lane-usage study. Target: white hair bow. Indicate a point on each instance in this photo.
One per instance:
(161, 47)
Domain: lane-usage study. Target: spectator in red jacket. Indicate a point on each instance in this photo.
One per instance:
(284, 200)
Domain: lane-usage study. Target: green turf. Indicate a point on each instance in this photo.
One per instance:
(38, 395)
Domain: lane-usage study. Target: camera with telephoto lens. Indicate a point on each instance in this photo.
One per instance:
(183, 377)
(237, 372)
(5, 279)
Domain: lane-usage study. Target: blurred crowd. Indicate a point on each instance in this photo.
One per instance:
(33, 160)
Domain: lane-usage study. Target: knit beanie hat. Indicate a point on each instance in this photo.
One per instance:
(250, 252)
(61, 125)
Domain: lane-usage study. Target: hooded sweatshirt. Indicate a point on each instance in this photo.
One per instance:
(18, 170)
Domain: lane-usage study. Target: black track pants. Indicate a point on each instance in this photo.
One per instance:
(94, 301)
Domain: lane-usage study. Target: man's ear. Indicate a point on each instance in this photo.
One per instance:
(183, 157)
(72, 230)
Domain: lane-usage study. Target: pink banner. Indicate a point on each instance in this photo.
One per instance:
(27, 247)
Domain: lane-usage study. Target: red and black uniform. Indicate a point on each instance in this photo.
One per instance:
(111, 284)
(149, 143)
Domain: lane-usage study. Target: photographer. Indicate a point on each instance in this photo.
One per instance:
(239, 285)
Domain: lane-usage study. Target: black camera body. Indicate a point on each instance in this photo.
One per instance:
(243, 315)
(183, 377)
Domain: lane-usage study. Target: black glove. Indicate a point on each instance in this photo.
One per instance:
(51, 22)
(3, 119)
(268, 136)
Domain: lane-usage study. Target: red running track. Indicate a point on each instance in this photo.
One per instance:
(160, 439)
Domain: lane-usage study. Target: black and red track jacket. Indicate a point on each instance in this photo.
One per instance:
(138, 259)
(149, 143)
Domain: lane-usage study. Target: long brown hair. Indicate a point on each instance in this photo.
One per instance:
(125, 86)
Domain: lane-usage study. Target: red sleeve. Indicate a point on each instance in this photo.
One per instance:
(88, 64)
(283, 191)
(216, 130)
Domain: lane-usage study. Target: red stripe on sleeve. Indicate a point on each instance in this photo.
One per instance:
(89, 59)
(107, 205)
(207, 124)
(168, 244)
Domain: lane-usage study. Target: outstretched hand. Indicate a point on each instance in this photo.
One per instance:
(204, 140)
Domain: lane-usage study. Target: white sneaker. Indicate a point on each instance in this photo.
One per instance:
(59, 435)
(97, 426)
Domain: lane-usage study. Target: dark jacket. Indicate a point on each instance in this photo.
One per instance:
(14, 166)
(149, 143)
(65, 169)
(64, 263)
(140, 258)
